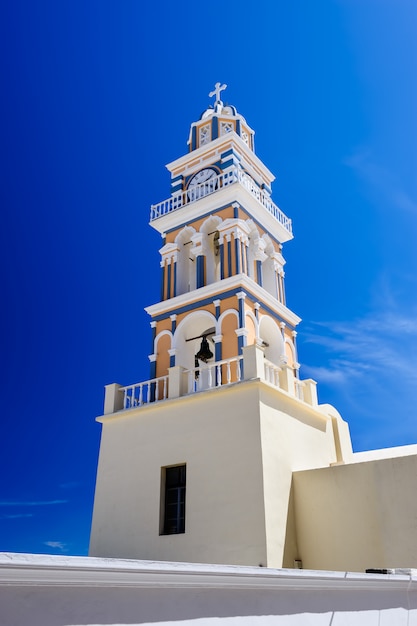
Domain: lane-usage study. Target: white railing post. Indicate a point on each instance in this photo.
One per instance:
(113, 398)
(228, 375)
(176, 382)
(219, 375)
(253, 362)
(310, 392)
(287, 379)
(238, 370)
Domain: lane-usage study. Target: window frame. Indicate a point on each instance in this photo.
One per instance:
(173, 493)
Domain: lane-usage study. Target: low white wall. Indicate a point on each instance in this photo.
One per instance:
(68, 591)
(358, 516)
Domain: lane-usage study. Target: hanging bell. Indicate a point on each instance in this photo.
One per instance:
(204, 354)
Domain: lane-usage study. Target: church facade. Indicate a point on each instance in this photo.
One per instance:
(225, 455)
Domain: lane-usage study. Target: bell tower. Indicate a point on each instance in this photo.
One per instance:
(222, 264)
(196, 463)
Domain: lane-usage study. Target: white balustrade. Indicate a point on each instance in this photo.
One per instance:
(272, 373)
(209, 376)
(235, 175)
(215, 374)
(139, 394)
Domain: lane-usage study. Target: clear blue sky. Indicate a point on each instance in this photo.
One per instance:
(96, 97)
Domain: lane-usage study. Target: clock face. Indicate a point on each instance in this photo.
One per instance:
(202, 176)
(202, 183)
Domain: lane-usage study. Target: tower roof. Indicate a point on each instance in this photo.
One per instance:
(219, 119)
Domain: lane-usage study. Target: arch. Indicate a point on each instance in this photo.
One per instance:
(223, 315)
(185, 271)
(270, 334)
(158, 337)
(229, 321)
(162, 358)
(252, 326)
(193, 325)
(268, 268)
(209, 228)
(289, 351)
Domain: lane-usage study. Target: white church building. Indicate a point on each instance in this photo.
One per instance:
(224, 456)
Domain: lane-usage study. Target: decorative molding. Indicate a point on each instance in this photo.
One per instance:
(34, 570)
(216, 289)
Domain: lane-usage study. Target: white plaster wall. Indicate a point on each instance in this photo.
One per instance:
(74, 591)
(293, 437)
(358, 516)
(216, 433)
(240, 443)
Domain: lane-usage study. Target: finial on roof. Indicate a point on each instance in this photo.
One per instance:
(218, 88)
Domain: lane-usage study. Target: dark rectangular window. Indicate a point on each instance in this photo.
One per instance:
(174, 500)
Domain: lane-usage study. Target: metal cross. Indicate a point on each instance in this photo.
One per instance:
(216, 91)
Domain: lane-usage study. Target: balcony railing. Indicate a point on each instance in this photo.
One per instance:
(183, 382)
(235, 175)
(144, 393)
(214, 374)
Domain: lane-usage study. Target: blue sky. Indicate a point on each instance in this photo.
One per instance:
(97, 97)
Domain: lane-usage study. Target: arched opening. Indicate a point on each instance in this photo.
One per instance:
(211, 248)
(161, 347)
(250, 325)
(268, 268)
(289, 353)
(188, 341)
(271, 337)
(229, 323)
(186, 273)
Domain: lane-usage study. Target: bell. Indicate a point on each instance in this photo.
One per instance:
(204, 354)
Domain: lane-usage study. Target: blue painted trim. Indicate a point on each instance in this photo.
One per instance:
(227, 153)
(153, 340)
(236, 212)
(229, 258)
(238, 127)
(237, 255)
(177, 187)
(247, 259)
(221, 296)
(241, 313)
(200, 271)
(163, 282)
(240, 343)
(259, 273)
(221, 249)
(217, 313)
(193, 138)
(176, 179)
(214, 128)
(175, 278)
(169, 281)
(153, 369)
(227, 164)
(172, 361)
(173, 326)
(217, 357)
